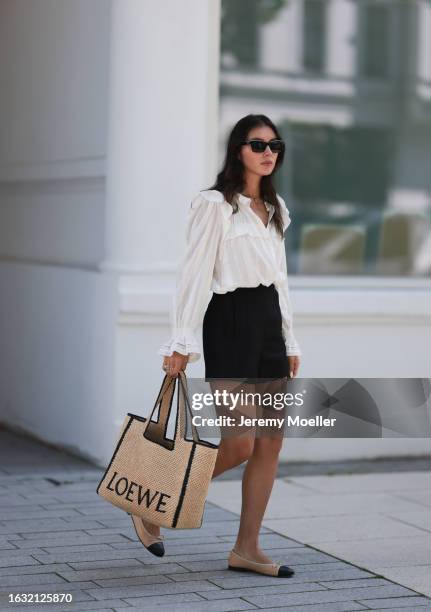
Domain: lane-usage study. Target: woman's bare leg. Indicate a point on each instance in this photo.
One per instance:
(259, 474)
(233, 452)
(257, 483)
(234, 447)
(262, 452)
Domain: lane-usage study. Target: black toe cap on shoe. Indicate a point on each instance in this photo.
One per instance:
(157, 549)
(284, 571)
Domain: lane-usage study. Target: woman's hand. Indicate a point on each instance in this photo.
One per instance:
(293, 365)
(175, 363)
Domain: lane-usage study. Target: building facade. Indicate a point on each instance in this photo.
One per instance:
(114, 114)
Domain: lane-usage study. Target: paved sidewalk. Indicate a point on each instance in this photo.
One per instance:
(58, 536)
(380, 521)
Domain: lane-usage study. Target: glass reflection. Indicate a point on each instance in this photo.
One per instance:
(349, 84)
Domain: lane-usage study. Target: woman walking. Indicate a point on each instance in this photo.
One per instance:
(235, 248)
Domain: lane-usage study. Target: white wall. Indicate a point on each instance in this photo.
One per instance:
(57, 313)
(53, 107)
(57, 352)
(69, 263)
(53, 78)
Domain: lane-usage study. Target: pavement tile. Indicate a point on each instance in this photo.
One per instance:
(64, 536)
(285, 503)
(18, 560)
(212, 575)
(211, 606)
(269, 541)
(110, 564)
(327, 596)
(9, 501)
(420, 518)
(52, 587)
(318, 574)
(33, 569)
(152, 589)
(174, 548)
(208, 565)
(212, 529)
(6, 546)
(178, 545)
(82, 539)
(410, 608)
(169, 569)
(96, 555)
(70, 607)
(388, 552)
(417, 577)
(153, 601)
(14, 515)
(53, 550)
(42, 525)
(16, 552)
(336, 606)
(214, 514)
(133, 581)
(419, 497)
(399, 603)
(287, 585)
(313, 530)
(364, 483)
(347, 584)
(30, 579)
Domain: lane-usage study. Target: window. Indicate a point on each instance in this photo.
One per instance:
(375, 42)
(314, 35)
(240, 33)
(340, 182)
(358, 186)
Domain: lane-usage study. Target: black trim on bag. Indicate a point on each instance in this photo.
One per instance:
(168, 443)
(115, 452)
(184, 486)
(137, 416)
(188, 414)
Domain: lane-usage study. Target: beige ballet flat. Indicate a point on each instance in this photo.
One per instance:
(151, 542)
(240, 564)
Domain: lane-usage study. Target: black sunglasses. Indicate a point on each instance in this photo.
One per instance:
(258, 146)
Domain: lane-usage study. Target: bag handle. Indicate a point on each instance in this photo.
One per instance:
(156, 430)
(183, 399)
(167, 382)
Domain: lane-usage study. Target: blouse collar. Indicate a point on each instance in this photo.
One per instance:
(247, 201)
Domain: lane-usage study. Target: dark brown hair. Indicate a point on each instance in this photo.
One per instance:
(230, 179)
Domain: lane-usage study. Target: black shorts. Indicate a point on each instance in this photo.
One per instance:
(242, 335)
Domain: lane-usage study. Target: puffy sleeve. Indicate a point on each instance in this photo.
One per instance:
(194, 277)
(292, 346)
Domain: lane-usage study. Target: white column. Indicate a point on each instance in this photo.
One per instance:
(162, 134)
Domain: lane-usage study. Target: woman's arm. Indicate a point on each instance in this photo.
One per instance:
(292, 346)
(194, 276)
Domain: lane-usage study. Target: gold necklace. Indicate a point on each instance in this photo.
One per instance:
(255, 198)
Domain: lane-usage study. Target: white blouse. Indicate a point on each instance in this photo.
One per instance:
(225, 251)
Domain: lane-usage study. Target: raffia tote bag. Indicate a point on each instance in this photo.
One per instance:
(163, 480)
